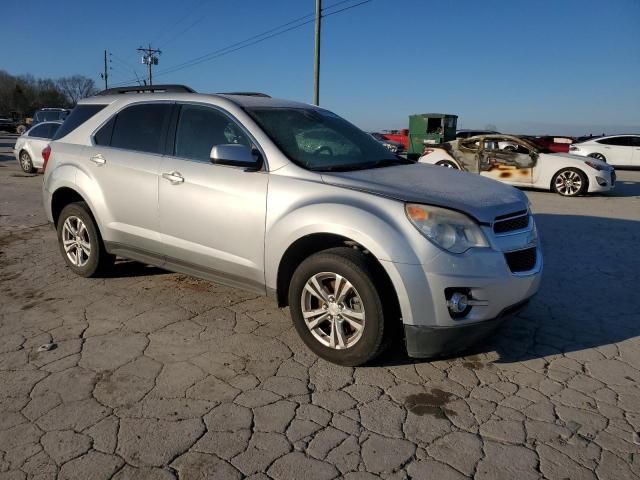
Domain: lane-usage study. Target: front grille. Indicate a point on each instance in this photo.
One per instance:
(511, 224)
(521, 260)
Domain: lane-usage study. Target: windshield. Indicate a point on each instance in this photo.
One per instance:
(320, 140)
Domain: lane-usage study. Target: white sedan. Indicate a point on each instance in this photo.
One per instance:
(29, 146)
(530, 165)
(618, 150)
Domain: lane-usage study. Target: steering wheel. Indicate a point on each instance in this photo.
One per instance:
(323, 150)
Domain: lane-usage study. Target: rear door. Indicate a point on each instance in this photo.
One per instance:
(125, 162)
(617, 150)
(212, 217)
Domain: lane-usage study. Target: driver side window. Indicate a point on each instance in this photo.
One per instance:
(201, 128)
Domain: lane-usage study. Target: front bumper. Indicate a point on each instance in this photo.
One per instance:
(426, 342)
(602, 180)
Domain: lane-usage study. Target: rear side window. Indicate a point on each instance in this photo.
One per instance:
(77, 117)
(142, 127)
(618, 141)
(39, 131)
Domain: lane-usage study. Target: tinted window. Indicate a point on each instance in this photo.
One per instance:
(636, 141)
(618, 141)
(103, 136)
(200, 128)
(40, 131)
(52, 129)
(78, 116)
(142, 127)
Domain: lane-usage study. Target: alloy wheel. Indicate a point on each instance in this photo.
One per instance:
(25, 162)
(568, 183)
(333, 310)
(76, 241)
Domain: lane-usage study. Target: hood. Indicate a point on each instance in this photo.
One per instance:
(482, 198)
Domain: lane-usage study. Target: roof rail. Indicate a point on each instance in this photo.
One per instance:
(246, 94)
(147, 89)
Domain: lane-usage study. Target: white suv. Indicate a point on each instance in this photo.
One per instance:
(290, 200)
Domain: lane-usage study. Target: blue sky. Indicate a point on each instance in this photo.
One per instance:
(546, 66)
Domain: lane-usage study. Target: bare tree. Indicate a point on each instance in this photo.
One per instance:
(76, 87)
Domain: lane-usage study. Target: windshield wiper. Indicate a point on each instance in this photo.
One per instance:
(386, 162)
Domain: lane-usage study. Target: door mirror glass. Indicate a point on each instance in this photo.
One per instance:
(233, 154)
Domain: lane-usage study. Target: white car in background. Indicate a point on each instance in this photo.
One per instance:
(618, 150)
(529, 165)
(29, 146)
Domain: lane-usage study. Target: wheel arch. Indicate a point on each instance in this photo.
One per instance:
(317, 242)
(62, 197)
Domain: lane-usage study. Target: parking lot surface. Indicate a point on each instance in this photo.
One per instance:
(159, 375)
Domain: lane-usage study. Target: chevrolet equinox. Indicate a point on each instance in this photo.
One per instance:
(290, 200)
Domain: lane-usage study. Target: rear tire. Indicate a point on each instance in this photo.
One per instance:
(569, 182)
(21, 129)
(345, 322)
(26, 164)
(80, 242)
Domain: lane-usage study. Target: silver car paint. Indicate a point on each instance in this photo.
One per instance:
(266, 211)
(32, 145)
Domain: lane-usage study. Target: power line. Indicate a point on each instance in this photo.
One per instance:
(255, 39)
(173, 24)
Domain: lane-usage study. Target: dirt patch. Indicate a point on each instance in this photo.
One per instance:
(185, 281)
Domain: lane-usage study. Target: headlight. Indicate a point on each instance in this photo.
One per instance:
(595, 165)
(448, 229)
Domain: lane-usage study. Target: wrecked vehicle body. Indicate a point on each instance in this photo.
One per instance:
(528, 165)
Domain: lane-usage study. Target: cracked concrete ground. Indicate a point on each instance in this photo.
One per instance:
(161, 376)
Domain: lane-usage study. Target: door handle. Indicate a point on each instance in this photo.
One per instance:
(98, 159)
(173, 177)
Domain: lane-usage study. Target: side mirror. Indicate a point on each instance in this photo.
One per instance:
(234, 155)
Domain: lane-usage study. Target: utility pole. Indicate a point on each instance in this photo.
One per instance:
(316, 67)
(149, 59)
(105, 75)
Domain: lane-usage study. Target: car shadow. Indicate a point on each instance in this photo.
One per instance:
(624, 188)
(588, 296)
(130, 268)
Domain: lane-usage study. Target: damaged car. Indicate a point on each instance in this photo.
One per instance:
(528, 165)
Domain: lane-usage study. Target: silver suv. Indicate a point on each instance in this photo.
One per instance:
(290, 200)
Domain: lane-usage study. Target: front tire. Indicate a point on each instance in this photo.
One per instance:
(569, 182)
(26, 164)
(21, 129)
(598, 156)
(336, 308)
(80, 242)
(447, 164)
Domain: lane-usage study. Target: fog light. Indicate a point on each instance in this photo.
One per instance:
(601, 181)
(458, 303)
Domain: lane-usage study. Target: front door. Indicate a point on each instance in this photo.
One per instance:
(212, 217)
(513, 167)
